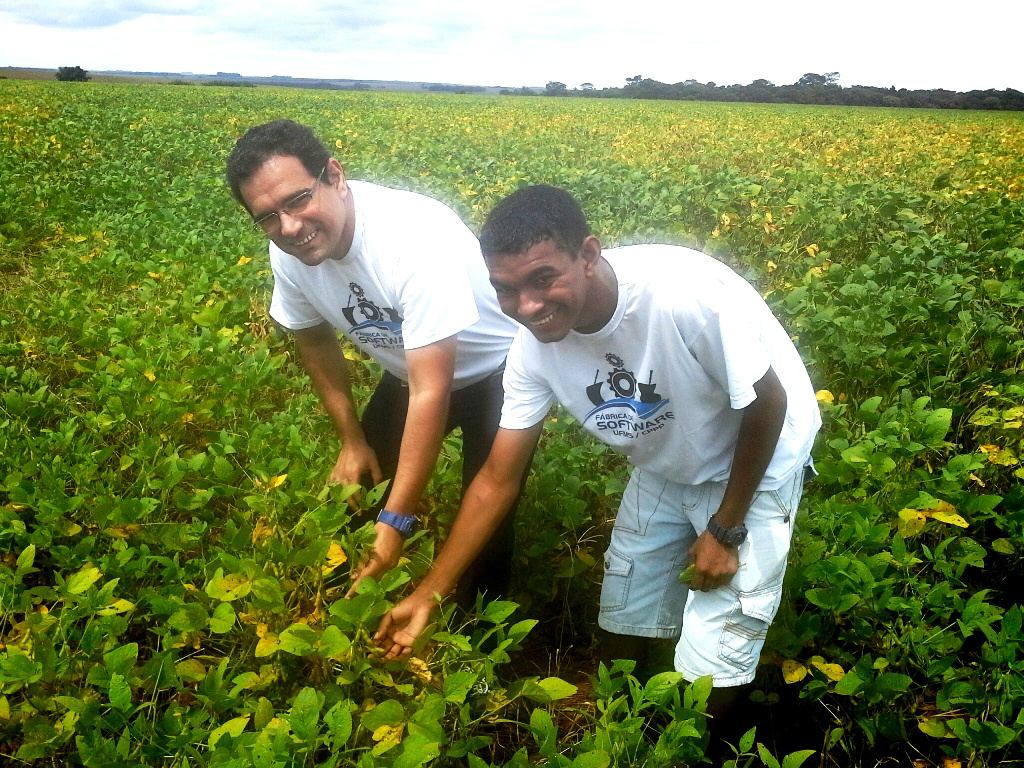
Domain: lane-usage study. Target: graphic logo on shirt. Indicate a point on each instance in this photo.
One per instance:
(632, 409)
(377, 326)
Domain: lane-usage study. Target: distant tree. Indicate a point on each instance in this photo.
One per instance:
(831, 78)
(586, 86)
(634, 80)
(554, 88)
(72, 74)
(812, 78)
(763, 84)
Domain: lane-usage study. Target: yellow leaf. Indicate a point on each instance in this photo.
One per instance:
(950, 762)
(1003, 458)
(261, 531)
(793, 671)
(911, 522)
(122, 531)
(242, 261)
(950, 518)
(117, 606)
(419, 668)
(833, 672)
(267, 645)
(155, 275)
(149, 375)
(387, 736)
(771, 266)
(335, 556)
(989, 448)
(812, 250)
(353, 355)
(338, 144)
(824, 396)
(276, 481)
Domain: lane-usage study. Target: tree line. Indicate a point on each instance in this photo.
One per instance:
(812, 88)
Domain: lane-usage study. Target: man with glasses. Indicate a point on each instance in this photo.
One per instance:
(401, 276)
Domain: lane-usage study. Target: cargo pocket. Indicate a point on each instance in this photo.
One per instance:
(615, 586)
(744, 632)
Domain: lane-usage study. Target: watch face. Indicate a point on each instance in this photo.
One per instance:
(730, 537)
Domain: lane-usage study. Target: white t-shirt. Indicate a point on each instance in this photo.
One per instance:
(664, 381)
(413, 276)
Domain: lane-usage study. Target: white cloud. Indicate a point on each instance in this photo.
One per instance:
(907, 44)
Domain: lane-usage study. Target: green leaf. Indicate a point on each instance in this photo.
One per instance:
(388, 712)
(208, 316)
(305, 714)
(122, 659)
(82, 580)
(120, 693)
(223, 619)
(189, 619)
(796, 759)
(416, 751)
(26, 559)
(230, 587)
(933, 727)
(498, 610)
(891, 682)
(596, 758)
(661, 686)
(333, 642)
(556, 688)
(850, 684)
(298, 639)
(767, 757)
(231, 728)
(457, 684)
(339, 722)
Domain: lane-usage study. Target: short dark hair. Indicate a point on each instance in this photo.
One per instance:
(278, 138)
(531, 215)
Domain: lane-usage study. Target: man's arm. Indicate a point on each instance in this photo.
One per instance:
(321, 355)
(715, 564)
(431, 369)
(487, 501)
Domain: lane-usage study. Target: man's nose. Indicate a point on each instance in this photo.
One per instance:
(290, 225)
(529, 303)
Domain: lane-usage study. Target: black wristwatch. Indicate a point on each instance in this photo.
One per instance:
(406, 525)
(729, 537)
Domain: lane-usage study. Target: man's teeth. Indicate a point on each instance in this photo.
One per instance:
(306, 239)
(543, 321)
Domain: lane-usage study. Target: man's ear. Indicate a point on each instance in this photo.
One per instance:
(590, 252)
(335, 172)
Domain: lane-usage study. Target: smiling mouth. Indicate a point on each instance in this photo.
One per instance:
(306, 239)
(542, 321)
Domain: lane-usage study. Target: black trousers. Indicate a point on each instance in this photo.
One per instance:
(477, 410)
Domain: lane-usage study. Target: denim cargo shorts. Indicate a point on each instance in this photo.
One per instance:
(720, 633)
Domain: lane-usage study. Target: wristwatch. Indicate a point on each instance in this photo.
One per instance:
(406, 525)
(729, 537)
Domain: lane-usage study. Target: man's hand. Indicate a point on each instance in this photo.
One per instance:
(356, 462)
(387, 548)
(403, 624)
(714, 563)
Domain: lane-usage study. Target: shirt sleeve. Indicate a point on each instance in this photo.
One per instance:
(527, 396)
(288, 304)
(433, 287)
(730, 350)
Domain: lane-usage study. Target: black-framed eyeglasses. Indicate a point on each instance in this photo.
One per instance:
(293, 207)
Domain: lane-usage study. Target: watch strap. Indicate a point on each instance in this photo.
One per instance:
(406, 525)
(730, 537)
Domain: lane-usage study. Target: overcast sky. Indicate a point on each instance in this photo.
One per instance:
(907, 43)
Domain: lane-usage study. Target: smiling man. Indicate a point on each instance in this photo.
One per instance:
(400, 276)
(674, 360)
